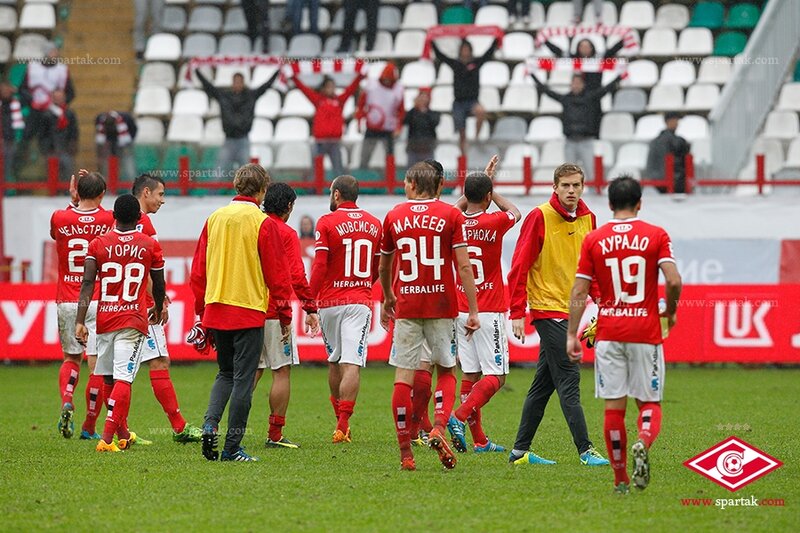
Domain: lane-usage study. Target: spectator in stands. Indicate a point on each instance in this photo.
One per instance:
(256, 12)
(41, 79)
(580, 118)
(62, 134)
(328, 120)
(308, 239)
(577, 10)
(422, 123)
(114, 135)
(466, 87)
(351, 8)
(13, 124)
(148, 13)
(294, 10)
(514, 13)
(381, 104)
(668, 142)
(236, 108)
(475, 4)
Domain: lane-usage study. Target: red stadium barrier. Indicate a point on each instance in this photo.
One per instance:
(716, 323)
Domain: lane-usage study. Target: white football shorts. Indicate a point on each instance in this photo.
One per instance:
(67, 316)
(409, 335)
(345, 330)
(275, 353)
(155, 345)
(487, 351)
(629, 369)
(119, 353)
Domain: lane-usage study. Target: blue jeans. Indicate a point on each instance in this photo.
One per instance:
(295, 14)
(234, 153)
(331, 148)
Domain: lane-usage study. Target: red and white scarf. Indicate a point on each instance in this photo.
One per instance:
(616, 65)
(17, 122)
(461, 31)
(629, 37)
(123, 135)
(61, 116)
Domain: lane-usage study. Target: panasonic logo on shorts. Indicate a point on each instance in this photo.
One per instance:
(419, 208)
(622, 228)
(354, 215)
(86, 219)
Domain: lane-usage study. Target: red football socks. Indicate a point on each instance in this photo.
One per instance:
(616, 443)
(345, 412)
(649, 422)
(466, 388)
(118, 405)
(480, 394)
(68, 380)
(165, 394)
(276, 424)
(421, 397)
(335, 404)
(444, 398)
(401, 411)
(107, 388)
(94, 402)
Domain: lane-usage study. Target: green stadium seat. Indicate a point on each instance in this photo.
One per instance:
(172, 159)
(707, 15)
(147, 157)
(16, 75)
(743, 17)
(730, 43)
(457, 15)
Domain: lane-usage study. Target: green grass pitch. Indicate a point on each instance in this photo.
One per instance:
(51, 483)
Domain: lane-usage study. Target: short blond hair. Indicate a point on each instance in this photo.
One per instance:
(567, 169)
(250, 180)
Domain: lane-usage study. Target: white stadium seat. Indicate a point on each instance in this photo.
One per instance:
(489, 97)
(542, 129)
(262, 153)
(419, 16)
(234, 44)
(701, 97)
(632, 155)
(513, 157)
(213, 135)
(781, 125)
(185, 129)
(157, 73)
(37, 17)
(553, 154)
(608, 13)
(550, 106)
(150, 130)
(295, 104)
(292, 129)
(658, 41)
(447, 155)
(261, 74)
(8, 19)
(641, 73)
(693, 127)
(445, 75)
(190, 102)
(30, 45)
(520, 99)
(494, 74)
(715, 69)
(472, 125)
(517, 46)
(789, 99)
(409, 43)
(675, 16)
(163, 47)
(261, 131)
(492, 16)
(537, 16)
(446, 130)
(648, 127)
(696, 42)
(617, 127)
(198, 44)
(793, 155)
(293, 155)
(418, 74)
(678, 73)
(152, 101)
(442, 98)
(559, 14)
(205, 18)
(269, 105)
(637, 14)
(665, 98)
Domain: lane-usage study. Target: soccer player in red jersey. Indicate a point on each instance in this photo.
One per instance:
(345, 267)
(73, 229)
(122, 260)
(149, 190)
(484, 358)
(279, 353)
(428, 236)
(625, 256)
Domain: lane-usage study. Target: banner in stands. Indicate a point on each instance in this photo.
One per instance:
(716, 323)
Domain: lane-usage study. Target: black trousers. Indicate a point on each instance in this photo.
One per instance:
(554, 372)
(238, 352)
(256, 12)
(351, 8)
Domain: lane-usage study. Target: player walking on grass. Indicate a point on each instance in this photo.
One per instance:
(542, 269)
(279, 353)
(73, 229)
(122, 259)
(484, 357)
(625, 256)
(149, 191)
(428, 236)
(345, 267)
(239, 266)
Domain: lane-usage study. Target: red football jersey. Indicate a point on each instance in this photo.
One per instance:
(423, 234)
(124, 261)
(145, 225)
(484, 234)
(624, 257)
(73, 230)
(352, 238)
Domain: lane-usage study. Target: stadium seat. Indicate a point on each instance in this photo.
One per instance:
(305, 45)
(789, 99)
(696, 42)
(197, 45)
(213, 135)
(163, 47)
(637, 14)
(701, 97)
(605, 149)
(352, 135)
(521, 76)
(384, 44)
(447, 155)
(418, 74)
(445, 75)
(537, 17)
(730, 44)
(37, 16)
(457, 15)
(157, 73)
(659, 42)
(389, 19)
(492, 15)
(678, 73)
(293, 155)
(693, 127)
(743, 16)
(648, 127)
(262, 131)
(152, 101)
(419, 16)
(609, 13)
(262, 74)
(542, 129)
(472, 124)
(235, 21)
(641, 73)
(205, 18)
(630, 100)
(190, 102)
(446, 130)
(517, 46)
(29, 45)
(479, 154)
(520, 99)
(494, 74)
(701, 152)
(292, 129)
(793, 155)
(715, 69)
(234, 44)
(150, 130)
(707, 15)
(509, 129)
(632, 155)
(549, 106)
(337, 25)
(665, 98)
(480, 44)
(409, 43)
(552, 154)
(185, 128)
(173, 19)
(772, 150)
(323, 20)
(781, 125)
(513, 157)
(147, 158)
(442, 98)
(295, 104)
(617, 127)
(262, 153)
(675, 16)
(489, 97)
(8, 19)
(559, 14)
(277, 44)
(5, 49)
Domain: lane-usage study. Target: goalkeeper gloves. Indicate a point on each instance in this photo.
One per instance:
(589, 333)
(199, 338)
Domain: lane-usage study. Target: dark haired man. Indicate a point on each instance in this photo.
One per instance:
(279, 353)
(625, 256)
(668, 142)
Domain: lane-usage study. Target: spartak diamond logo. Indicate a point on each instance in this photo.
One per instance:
(733, 464)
